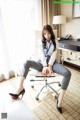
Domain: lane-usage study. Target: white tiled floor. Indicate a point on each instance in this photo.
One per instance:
(46, 107)
(15, 109)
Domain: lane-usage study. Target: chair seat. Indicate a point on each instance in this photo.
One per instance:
(39, 74)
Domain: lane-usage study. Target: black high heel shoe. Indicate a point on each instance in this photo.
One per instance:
(15, 96)
(58, 108)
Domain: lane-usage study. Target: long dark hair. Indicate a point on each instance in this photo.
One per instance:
(48, 28)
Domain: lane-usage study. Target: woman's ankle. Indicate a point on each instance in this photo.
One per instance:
(19, 89)
(60, 98)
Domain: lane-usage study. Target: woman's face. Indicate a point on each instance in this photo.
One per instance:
(47, 35)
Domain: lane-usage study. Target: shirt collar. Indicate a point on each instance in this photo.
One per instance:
(49, 42)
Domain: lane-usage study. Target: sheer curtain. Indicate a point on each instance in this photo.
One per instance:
(47, 11)
(17, 33)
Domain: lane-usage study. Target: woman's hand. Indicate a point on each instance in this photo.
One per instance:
(45, 71)
(49, 70)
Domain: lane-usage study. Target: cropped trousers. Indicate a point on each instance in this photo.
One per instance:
(57, 68)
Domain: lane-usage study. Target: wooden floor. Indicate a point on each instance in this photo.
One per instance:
(45, 108)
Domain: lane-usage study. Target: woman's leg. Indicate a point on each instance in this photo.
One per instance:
(28, 64)
(20, 87)
(60, 69)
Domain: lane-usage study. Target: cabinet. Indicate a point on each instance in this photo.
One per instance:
(70, 50)
(71, 57)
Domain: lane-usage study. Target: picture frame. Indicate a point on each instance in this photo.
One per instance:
(75, 10)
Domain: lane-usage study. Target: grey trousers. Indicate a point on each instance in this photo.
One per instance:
(57, 68)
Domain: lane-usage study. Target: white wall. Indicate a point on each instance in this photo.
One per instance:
(72, 26)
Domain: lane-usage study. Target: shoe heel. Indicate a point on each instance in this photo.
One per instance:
(23, 93)
(15, 96)
(58, 108)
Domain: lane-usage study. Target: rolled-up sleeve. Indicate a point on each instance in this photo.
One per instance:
(52, 58)
(41, 53)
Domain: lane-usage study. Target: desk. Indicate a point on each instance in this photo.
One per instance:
(70, 46)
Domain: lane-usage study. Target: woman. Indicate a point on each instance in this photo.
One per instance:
(46, 64)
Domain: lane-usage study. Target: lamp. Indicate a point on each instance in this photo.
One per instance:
(58, 20)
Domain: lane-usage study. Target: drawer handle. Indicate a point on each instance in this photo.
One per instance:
(63, 45)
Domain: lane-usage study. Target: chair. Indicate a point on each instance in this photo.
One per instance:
(39, 75)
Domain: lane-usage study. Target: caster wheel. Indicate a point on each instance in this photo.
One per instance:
(56, 96)
(37, 98)
(59, 84)
(32, 86)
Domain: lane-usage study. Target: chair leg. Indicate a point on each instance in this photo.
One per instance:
(46, 84)
(39, 93)
(59, 84)
(53, 89)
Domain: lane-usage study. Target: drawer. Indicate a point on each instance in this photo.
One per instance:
(70, 47)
